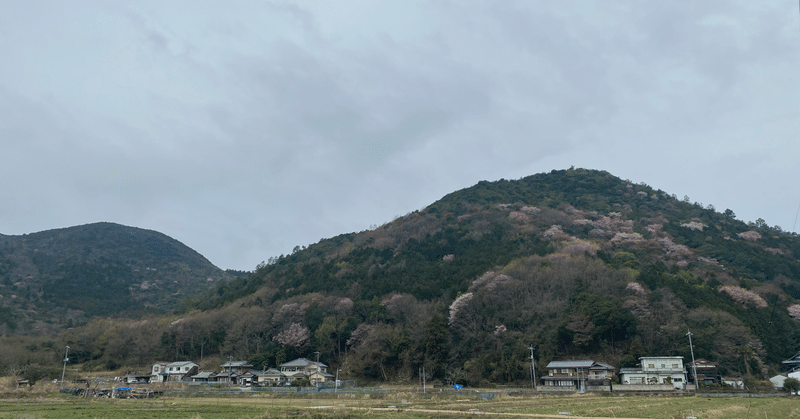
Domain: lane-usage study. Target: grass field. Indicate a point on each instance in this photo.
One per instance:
(400, 405)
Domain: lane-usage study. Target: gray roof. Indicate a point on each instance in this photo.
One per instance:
(570, 364)
(601, 366)
(204, 374)
(236, 364)
(181, 364)
(301, 362)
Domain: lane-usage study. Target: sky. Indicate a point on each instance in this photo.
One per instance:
(246, 128)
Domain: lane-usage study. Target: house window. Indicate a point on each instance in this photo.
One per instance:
(677, 380)
(662, 366)
(675, 366)
(651, 365)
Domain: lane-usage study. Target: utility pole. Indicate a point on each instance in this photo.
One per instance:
(66, 358)
(694, 366)
(533, 370)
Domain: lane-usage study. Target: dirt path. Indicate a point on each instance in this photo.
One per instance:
(461, 412)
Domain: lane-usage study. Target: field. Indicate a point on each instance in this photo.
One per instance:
(400, 405)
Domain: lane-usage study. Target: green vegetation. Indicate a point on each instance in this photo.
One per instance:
(403, 405)
(577, 263)
(56, 279)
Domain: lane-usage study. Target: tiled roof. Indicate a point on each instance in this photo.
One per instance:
(204, 374)
(181, 363)
(301, 362)
(570, 364)
(238, 364)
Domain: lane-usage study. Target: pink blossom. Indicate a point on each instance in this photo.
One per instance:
(746, 298)
(794, 311)
(481, 280)
(750, 236)
(626, 238)
(498, 330)
(553, 231)
(457, 305)
(694, 225)
(519, 216)
(673, 249)
(344, 305)
(580, 247)
(654, 228)
(636, 288)
(490, 281)
(530, 210)
(360, 334)
(710, 261)
(295, 335)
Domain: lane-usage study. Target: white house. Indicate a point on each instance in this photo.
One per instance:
(181, 370)
(656, 370)
(316, 372)
(158, 373)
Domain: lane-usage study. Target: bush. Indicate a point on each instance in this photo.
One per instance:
(35, 372)
(791, 385)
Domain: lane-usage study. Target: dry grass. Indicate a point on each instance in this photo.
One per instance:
(403, 405)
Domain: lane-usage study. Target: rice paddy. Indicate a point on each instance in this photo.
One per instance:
(402, 405)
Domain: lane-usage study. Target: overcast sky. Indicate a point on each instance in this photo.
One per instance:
(246, 128)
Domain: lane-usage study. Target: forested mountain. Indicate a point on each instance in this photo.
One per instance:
(57, 278)
(577, 263)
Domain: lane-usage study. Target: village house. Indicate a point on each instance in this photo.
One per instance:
(158, 372)
(582, 375)
(239, 367)
(241, 373)
(271, 377)
(172, 371)
(181, 370)
(204, 377)
(136, 378)
(656, 370)
(316, 372)
(792, 363)
(706, 371)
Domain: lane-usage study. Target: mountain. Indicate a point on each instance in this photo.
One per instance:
(65, 276)
(574, 263)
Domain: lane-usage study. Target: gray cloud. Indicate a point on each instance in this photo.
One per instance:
(245, 129)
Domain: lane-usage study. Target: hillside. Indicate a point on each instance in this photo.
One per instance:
(56, 278)
(577, 263)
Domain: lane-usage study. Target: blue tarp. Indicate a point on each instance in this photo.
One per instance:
(458, 386)
(125, 388)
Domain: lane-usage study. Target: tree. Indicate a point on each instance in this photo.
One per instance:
(436, 348)
(745, 352)
(792, 385)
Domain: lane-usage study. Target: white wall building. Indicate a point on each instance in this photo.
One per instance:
(656, 370)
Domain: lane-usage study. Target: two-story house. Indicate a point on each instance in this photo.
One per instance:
(158, 373)
(316, 372)
(181, 370)
(578, 375)
(239, 367)
(706, 371)
(172, 371)
(656, 370)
